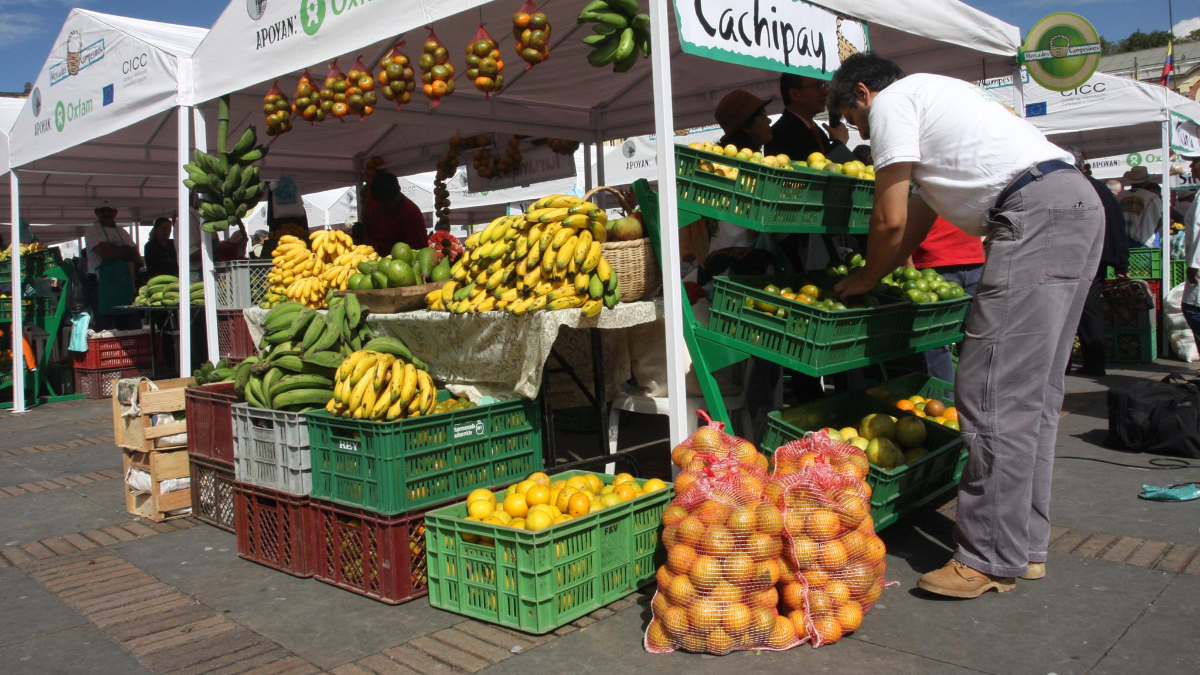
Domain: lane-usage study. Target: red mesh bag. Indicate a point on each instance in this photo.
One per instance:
(278, 111)
(437, 73)
(484, 65)
(794, 456)
(531, 28)
(333, 92)
(396, 77)
(716, 592)
(307, 101)
(711, 440)
(361, 96)
(833, 560)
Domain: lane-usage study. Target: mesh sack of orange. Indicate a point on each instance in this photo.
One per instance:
(716, 593)
(833, 562)
(708, 444)
(847, 459)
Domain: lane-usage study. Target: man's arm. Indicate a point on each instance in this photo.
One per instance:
(887, 236)
(107, 251)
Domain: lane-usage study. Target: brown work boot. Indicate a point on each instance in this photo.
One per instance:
(1035, 571)
(956, 580)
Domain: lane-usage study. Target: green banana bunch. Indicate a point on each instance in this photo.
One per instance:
(211, 373)
(229, 186)
(620, 33)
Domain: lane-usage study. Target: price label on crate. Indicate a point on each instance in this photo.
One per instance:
(470, 429)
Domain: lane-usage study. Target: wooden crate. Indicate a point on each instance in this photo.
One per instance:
(161, 465)
(138, 433)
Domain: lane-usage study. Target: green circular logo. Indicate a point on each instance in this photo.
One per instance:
(1134, 159)
(60, 116)
(1052, 51)
(312, 15)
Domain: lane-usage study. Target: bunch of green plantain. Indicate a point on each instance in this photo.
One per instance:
(163, 291)
(228, 185)
(621, 33)
(212, 373)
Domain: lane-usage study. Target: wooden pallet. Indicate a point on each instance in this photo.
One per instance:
(161, 465)
(138, 433)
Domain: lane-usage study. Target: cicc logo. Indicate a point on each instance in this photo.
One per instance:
(312, 15)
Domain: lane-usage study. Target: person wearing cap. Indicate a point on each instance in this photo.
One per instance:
(113, 258)
(797, 133)
(1142, 207)
(743, 118)
(992, 174)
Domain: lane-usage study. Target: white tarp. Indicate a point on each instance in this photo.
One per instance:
(9, 109)
(331, 208)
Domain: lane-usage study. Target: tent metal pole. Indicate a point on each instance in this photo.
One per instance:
(183, 243)
(18, 328)
(660, 62)
(207, 272)
(1165, 190)
(587, 167)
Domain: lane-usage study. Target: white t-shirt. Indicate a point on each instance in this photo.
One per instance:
(98, 234)
(1191, 294)
(966, 147)
(1143, 214)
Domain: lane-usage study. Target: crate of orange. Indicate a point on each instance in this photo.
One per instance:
(915, 391)
(894, 492)
(538, 580)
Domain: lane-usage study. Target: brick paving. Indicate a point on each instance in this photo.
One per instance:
(58, 483)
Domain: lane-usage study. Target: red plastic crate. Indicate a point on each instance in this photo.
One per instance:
(210, 422)
(274, 529)
(233, 336)
(212, 492)
(107, 353)
(98, 383)
(380, 557)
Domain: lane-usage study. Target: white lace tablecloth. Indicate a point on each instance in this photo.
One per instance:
(501, 355)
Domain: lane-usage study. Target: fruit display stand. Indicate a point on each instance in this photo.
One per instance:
(140, 432)
(47, 310)
(539, 581)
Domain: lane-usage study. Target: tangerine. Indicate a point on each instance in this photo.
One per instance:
(905, 404)
(691, 530)
(681, 591)
(764, 547)
(799, 623)
(768, 520)
(782, 635)
(718, 642)
(822, 525)
(806, 551)
(712, 512)
(736, 619)
(743, 520)
(762, 619)
(838, 592)
(705, 572)
(767, 572)
(674, 620)
(828, 629)
(725, 593)
(850, 616)
(792, 597)
(673, 515)
(656, 637)
(832, 556)
(875, 550)
(951, 414)
(818, 603)
(681, 558)
(703, 615)
(718, 541)
(816, 578)
(765, 599)
(738, 569)
(692, 642)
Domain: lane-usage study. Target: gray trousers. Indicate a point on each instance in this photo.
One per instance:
(1042, 251)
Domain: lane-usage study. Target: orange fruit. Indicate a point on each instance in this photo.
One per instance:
(832, 556)
(712, 512)
(681, 592)
(765, 599)
(850, 616)
(935, 408)
(762, 462)
(838, 592)
(764, 547)
(752, 484)
(692, 642)
(867, 526)
(660, 603)
(819, 603)
(675, 621)
(792, 596)
(685, 480)
(859, 577)
(440, 88)
(806, 551)
(707, 440)
(691, 530)
(656, 636)
(677, 454)
(762, 620)
(799, 623)
(905, 404)
(875, 550)
(738, 569)
(625, 491)
(816, 578)
(773, 492)
(822, 525)
(537, 494)
(782, 635)
(736, 619)
(725, 593)
(872, 594)
(855, 544)
(516, 506)
(745, 452)
(681, 558)
(718, 642)
(670, 536)
(767, 572)
(672, 515)
(951, 414)
(579, 504)
(664, 577)
(703, 615)
(768, 520)
(705, 572)
(743, 520)
(828, 628)
(793, 522)
(540, 478)
(718, 541)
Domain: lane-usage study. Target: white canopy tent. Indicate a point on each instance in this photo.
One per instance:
(559, 98)
(94, 129)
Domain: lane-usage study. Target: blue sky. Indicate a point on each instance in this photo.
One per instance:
(28, 27)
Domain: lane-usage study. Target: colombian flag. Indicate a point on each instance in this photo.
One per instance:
(1168, 66)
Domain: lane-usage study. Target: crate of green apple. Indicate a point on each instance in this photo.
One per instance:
(939, 306)
(400, 281)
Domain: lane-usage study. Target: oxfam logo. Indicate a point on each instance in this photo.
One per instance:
(60, 116)
(312, 15)
(1134, 159)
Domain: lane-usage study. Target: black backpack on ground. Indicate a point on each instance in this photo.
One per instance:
(1162, 418)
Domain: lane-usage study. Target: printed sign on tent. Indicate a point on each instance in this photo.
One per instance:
(1185, 134)
(1062, 51)
(789, 37)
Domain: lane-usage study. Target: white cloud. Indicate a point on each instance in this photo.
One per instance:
(1186, 26)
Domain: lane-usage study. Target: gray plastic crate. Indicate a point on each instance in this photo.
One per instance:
(270, 449)
(241, 283)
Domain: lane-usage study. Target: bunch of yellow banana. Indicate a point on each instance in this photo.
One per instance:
(372, 385)
(353, 256)
(547, 258)
(308, 291)
(328, 245)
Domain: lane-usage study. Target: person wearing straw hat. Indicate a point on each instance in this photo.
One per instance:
(113, 258)
(993, 174)
(743, 118)
(1142, 207)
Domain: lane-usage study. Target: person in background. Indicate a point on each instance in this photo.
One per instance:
(390, 217)
(958, 257)
(257, 243)
(159, 250)
(113, 259)
(1142, 207)
(796, 133)
(1115, 187)
(743, 118)
(1115, 255)
(993, 174)
(863, 154)
(1191, 288)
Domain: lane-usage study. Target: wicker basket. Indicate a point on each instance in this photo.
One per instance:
(634, 261)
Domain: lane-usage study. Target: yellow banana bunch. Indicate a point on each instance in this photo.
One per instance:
(309, 291)
(378, 386)
(328, 245)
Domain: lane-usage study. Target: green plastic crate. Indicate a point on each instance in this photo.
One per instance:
(539, 581)
(777, 199)
(394, 467)
(30, 308)
(1144, 263)
(32, 265)
(1178, 272)
(894, 492)
(807, 335)
(935, 322)
(914, 384)
(1130, 346)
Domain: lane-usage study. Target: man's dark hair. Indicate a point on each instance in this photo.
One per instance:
(385, 187)
(160, 220)
(873, 71)
(788, 82)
